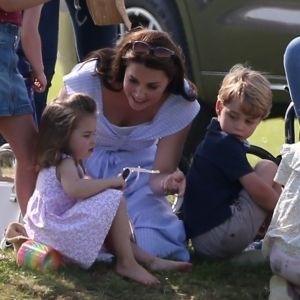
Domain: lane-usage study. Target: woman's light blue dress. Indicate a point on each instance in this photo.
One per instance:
(157, 229)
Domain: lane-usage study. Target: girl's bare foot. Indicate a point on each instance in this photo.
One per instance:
(160, 264)
(136, 272)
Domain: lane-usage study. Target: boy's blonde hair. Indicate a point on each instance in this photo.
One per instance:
(251, 88)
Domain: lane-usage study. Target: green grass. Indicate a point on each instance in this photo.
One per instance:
(56, 83)
(208, 281)
(269, 135)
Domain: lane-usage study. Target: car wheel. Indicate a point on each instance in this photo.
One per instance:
(158, 15)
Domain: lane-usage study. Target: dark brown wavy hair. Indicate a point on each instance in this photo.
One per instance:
(112, 63)
(58, 121)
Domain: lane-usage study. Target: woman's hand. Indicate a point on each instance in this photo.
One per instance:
(174, 183)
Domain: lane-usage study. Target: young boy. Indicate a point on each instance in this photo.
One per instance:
(226, 199)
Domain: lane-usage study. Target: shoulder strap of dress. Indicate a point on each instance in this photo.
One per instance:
(82, 79)
(175, 114)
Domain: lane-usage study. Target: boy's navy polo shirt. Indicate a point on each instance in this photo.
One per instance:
(213, 180)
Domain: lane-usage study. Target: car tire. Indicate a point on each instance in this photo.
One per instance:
(158, 15)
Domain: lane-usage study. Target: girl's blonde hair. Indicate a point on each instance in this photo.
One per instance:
(58, 121)
(250, 87)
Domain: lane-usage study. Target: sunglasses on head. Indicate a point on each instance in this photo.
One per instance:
(143, 48)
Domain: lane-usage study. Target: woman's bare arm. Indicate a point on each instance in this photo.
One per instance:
(169, 151)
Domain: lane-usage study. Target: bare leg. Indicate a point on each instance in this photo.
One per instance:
(266, 170)
(21, 134)
(159, 264)
(118, 240)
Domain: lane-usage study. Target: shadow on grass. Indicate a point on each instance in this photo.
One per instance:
(209, 280)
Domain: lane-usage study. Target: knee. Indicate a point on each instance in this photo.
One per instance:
(266, 170)
(266, 166)
(122, 204)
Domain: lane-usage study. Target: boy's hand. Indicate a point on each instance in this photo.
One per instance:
(174, 183)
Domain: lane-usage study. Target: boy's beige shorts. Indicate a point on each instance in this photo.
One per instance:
(235, 234)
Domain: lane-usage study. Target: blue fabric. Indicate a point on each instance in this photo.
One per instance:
(25, 69)
(49, 41)
(292, 71)
(157, 228)
(13, 93)
(213, 180)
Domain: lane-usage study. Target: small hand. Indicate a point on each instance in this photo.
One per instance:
(118, 182)
(39, 82)
(174, 183)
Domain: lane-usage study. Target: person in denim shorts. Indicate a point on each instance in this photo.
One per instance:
(16, 114)
(17, 5)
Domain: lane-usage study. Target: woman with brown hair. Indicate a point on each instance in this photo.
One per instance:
(146, 107)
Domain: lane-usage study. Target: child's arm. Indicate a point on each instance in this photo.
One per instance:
(260, 185)
(31, 45)
(15, 5)
(80, 188)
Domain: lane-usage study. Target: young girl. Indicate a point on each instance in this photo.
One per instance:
(75, 214)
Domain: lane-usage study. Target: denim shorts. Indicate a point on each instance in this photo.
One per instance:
(14, 99)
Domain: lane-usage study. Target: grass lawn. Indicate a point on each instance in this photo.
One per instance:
(207, 281)
(269, 135)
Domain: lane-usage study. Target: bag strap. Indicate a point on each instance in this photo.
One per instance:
(105, 12)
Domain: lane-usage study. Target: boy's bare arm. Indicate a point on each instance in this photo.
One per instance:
(264, 194)
(15, 5)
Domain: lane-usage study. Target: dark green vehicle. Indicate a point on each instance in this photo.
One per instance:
(216, 34)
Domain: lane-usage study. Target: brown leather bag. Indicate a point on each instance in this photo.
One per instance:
(106, 12)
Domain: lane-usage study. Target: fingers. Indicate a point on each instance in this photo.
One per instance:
(174, 183)
(37, 86)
